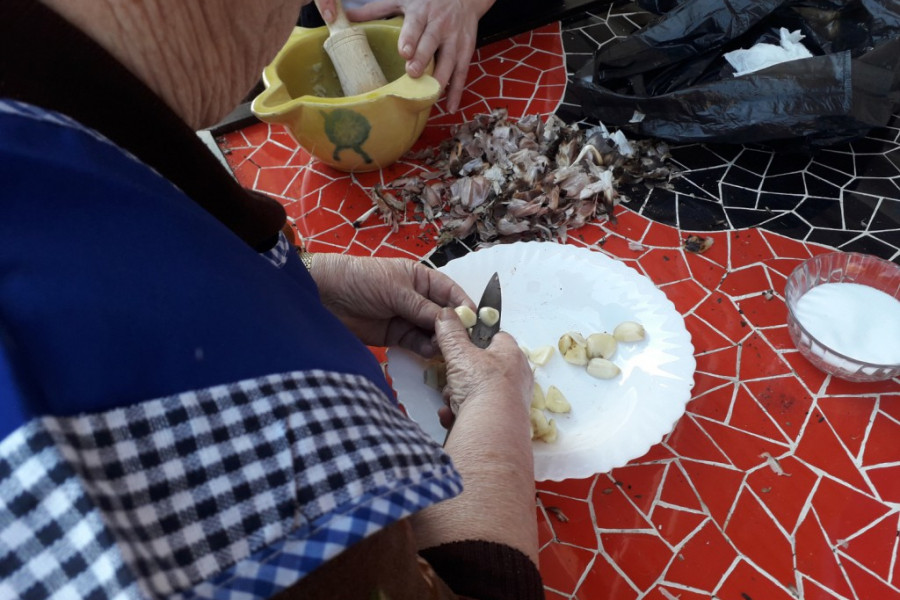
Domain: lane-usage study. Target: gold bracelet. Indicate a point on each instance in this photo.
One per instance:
(305, 258)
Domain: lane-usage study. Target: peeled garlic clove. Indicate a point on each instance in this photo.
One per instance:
(466, 315)
(550, 434)
(570, 340)
(538, 400)
(539, 424)
(556, 401)
(488, 315)
(602, 368)
(577, 355)
(629, 331)
(601, 345)
(540, 356)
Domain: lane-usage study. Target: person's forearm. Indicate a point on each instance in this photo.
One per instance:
(491, 447)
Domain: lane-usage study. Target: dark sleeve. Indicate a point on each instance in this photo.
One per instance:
(486, 570)
(384, 565)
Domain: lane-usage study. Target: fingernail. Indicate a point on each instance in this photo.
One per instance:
(328, 16)
(406, 50)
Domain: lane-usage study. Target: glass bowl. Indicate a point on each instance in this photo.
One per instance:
(840, 267)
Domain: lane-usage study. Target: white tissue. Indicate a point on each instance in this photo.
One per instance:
(622, 144)
(761, 56)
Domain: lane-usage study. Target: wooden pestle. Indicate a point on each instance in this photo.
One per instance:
(351, 55)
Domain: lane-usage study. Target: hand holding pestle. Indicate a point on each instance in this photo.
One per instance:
(351, 55)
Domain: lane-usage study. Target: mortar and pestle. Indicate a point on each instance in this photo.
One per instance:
(349, 51)
(343, 93)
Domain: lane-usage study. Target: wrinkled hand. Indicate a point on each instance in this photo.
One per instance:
(386, 301)
(497, 373)
(444, 29)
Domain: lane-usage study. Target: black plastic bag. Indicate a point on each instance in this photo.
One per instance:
(670, 80)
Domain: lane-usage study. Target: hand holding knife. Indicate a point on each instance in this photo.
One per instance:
(485, 327)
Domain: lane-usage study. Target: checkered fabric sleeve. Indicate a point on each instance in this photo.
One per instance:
(278, 255)
(236, 491)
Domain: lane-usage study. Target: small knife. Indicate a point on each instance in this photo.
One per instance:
(482, 333)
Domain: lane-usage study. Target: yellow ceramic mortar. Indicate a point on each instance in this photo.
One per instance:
(353, 133)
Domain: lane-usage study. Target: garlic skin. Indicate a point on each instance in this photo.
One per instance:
(601, 345)
(629, 331)
(602, 368)
(466, 315)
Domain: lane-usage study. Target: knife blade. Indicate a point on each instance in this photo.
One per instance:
(482, 332)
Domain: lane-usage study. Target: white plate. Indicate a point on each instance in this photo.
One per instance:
(548, 290)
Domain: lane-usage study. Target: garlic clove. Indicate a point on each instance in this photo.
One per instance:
(570, 340)
(538, 400)
(541, 356)
(488, 315)
(602, 368)
(550, 433)
(466, 315)
(539, 424)
(577, 355)
(601, 345)
(629, 331)
(556, 402)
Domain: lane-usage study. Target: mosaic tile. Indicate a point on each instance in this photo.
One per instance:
(785, 494)
(748, 415)
(816, 559)
(674, 526)
(830, 502)
(570, 520)
(865, 585)
(747, 497)
(703, 560)
(878, 438)
(748, 581)
(799, 195)
(886, 482)
(881, 535)
(614, 511)
(654, 552)
(603, 580)
(668, 592)
(564, 566)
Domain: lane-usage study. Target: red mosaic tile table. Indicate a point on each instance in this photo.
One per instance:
(779, 482)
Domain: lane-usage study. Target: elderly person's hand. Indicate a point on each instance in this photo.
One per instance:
(386, 301)
(500, 370)
(444, 29)
(490, 443)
